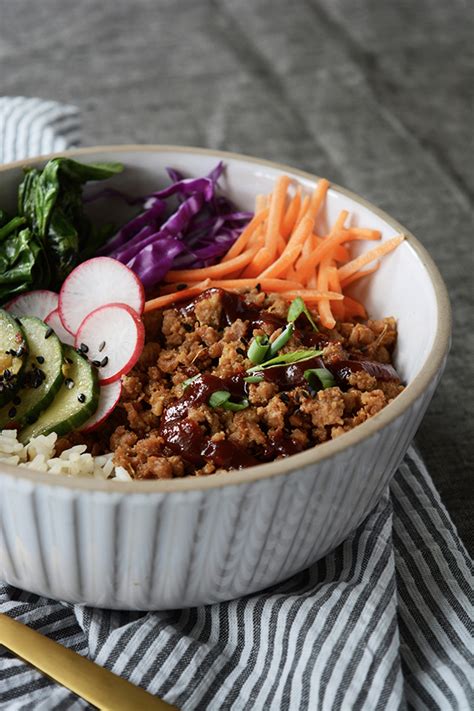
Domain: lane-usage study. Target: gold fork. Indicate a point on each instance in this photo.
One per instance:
(97, 685)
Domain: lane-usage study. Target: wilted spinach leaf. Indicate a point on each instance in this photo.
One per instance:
(23, 262)
(51, 202)
(51, 233)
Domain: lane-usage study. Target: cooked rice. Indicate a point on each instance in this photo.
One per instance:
(38, 455)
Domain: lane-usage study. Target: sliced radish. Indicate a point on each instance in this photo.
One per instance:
(37, 303)
(53, 320)
(108, 398)
(112, 336)
(95, 283)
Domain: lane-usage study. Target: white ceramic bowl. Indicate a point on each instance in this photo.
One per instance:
(185, 542)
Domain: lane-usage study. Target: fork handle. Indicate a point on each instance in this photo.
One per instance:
(92, 682)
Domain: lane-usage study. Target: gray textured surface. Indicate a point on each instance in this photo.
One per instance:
(377, 96)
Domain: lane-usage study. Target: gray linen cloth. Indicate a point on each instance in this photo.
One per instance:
(383, 622)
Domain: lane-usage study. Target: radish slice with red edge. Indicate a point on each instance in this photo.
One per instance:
(53, 320)
(112, 338)
(95, 283)
(37, 303)
(108, 399)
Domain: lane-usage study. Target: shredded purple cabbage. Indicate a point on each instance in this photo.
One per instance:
(186, 225)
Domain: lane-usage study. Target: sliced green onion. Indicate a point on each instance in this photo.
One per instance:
(235, 406)
(187, 382)
(218, 398)
(221, 398)
(254, 379)
(298, 307)
(282, 339)
(319, 376)
(285, 359)
(258, 349)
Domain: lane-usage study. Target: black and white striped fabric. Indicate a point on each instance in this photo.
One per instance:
(384, 622)
(34, 127)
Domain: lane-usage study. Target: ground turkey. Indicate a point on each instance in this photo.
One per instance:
(169, 424)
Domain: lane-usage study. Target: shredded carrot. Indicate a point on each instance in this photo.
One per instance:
(267, 284)
(279, 252)
(162, 301)
(302, 232)
(261, 261)
(364, 233)
(246, 234)
(291, 215)
(334, 284)
(303, 209)
(324, 307)
(275, 215)
(353, 308)
(324, 248)
(341, 253)
(260, 203)
(217, 270)
(311, 295)
(354, 266)
(317, 198)
(287, 259)
(281, 244)
(359, 275)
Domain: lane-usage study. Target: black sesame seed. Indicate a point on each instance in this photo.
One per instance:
(284, 397)
(49, 332)
(16, 400)
(104, 361)
(81, 397)
(40, 359)
(96, 363)
(180, 287)
(7, 374)
(187, 327)
(84, 348)
(68, 360)
(258, 287)
(101, 347)
(12, 412)
(240, 351)
(69, 383)
(30, 419)
(81, 353)
(20, 351)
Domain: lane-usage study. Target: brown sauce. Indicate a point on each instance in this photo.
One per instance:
(184, 437)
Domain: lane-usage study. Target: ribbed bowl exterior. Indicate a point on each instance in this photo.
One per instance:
(179, 549)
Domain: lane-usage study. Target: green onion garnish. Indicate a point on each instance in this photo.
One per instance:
(258, 349)
(319, 376)
(281, 340)
(254, 379)
(187, 382)
(285, 359)
(221, 398)
(298, 307)
(218, 398)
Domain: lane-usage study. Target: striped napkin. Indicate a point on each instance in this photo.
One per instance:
(384, 622)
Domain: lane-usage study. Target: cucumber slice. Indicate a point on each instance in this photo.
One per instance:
(41, 378)
(75, 402)
(13, 353)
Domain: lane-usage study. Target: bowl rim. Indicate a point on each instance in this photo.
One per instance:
(309, 457)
